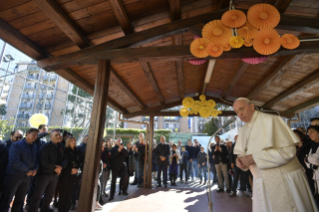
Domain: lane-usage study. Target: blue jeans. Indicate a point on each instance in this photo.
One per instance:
(190, 169)
(202, 169)
(195, 166)
(140, 172)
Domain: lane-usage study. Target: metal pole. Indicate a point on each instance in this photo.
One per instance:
(4, 81)
(115, 124)
(66, 103)
(75, 105)
(15, 118)
(2, 51)
(46, 92)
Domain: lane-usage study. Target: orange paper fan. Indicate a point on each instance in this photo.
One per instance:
(267, 41)
(227, 47)
(247, 31)
(234, 18)
(248, 42)
(289, 41)
(215, 49)
(263, 16)
(216, 32)
(199, 47)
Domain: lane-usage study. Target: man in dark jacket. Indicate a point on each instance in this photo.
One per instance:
(15, 136)
(212, 163)
(197, 147)
(183, 164)
(220, 154)
(3, 166)
(191, 155)
(119, 167)
(162, 153)
(244, 176)
(52, 160)
(43, 131)
(22, 165)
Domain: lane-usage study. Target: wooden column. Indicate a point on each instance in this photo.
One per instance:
(150, 154)
(93, 150)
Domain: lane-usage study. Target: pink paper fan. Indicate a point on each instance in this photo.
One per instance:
(197, 62)
(196, 37)
(254, 60)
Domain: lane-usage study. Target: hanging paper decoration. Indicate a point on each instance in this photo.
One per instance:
(289, 41)
(267, 41)
(247, 31)
(215, 50)
(37, 119)
(254, 60)
(197, 62)
(198, 47)
(263, 16)
(216, 32)
(234, 18)
(236, 42)
(248, 42)
(227, 47)
(203, 107)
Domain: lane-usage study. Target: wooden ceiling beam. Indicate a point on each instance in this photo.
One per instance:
(308, 104)
(123, 85)
(222, 4)
(276, 73)
(21, 42)
(282, 5)
(300, 86)
(175, 10)
(151, 78)
(78, 81)
(180, 70)
(176, 113)
(239, 72)
(63, 21)
(121, 16)
(161, 53)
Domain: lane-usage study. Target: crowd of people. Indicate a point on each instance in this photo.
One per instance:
(38, 170)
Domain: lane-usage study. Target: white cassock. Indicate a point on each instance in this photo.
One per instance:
(280, 184)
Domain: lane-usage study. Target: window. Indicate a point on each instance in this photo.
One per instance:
(166, 125)
(175, 125)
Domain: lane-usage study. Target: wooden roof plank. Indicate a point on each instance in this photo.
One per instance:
(304, 106)
(175, 10)
(121, 16)
(62, 20)
(296, 87)
(19, 41)
(239, 72)
(282, 5)
(123, 85)
(151, 78)
(180, 78)
(288, 62)
(164, 53)
(223, 4)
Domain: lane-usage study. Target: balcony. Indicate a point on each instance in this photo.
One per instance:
(23, 116)
(25, 106)
(42, 96)
(33, 68)
(29, 87)
(49, 96)
(27, 96)
(33, 77)
(52, 78)
(43, 87)
(171, 118)
(39, 106)
(47, 106)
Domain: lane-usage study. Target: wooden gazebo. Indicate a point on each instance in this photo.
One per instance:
(132, 55)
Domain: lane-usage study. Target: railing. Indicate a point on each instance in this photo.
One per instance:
(49, 96)
(39, 106)
(33, 68)
(29, 87)
(27, 96)
(24, 106)
(23, 116)
(32, 77)
(47, 106)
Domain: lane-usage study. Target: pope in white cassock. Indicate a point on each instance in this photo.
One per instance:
(267, 147)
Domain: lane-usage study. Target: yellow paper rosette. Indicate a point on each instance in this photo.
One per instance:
(37, 119)
(211, 103)
(197, 105)
(188, 102)
(236, 42)
(183, 112)
(204, 112)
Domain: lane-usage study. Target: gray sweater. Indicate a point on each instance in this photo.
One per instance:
(201, 157)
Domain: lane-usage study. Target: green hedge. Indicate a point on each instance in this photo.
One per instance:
(76, 131)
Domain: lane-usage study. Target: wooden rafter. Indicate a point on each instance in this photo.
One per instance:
(302, 85)
(175, 9)
(176, 113)
(304, 106)
(180, 69)
(121, 16)
(123, 85)
(282, 5)
(62, 20)
(19, 41)
(163, 53)
(223, 4)
(239, 72)
(151, 78)
(279, 71)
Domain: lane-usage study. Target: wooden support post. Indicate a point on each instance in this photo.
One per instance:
(93, 150)
(150, 153)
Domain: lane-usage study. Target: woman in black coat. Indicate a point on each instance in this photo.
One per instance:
(68, 175)
(303, 150)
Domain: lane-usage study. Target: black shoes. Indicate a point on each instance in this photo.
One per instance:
(158, 186)
(228, 190)
(101, 201)
(105, 195)
(120, 192)
(204, 182)
(125, 193)
(200, 182)
(111, 198)
(134, 183)
(232, 194)
(72, 207)
(220, 190)
(56, 204)
(165, 186)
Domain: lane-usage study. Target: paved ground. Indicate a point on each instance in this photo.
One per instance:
(190, 197)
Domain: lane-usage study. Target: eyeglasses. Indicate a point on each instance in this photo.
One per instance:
(18, 137)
